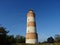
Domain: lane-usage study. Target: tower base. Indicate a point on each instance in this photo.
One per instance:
(31, 41)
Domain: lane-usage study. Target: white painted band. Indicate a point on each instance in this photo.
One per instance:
(31, 29)
(29, 19)
(31, 41)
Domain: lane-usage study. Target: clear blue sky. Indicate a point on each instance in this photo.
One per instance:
(13, 16)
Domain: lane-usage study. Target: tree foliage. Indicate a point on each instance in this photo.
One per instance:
(50, 40)
(3, 33)
(20, 39)
(9, 39)
(57, 38)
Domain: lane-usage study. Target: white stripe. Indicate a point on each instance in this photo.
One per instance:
(31, 41)
(31, 29)
(29, 19)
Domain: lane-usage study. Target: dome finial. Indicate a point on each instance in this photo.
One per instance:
(31, 10)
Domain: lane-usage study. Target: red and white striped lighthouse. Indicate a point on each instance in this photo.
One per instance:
(31, 34)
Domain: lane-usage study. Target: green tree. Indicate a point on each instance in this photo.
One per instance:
(3, 34)
(57, 38)
(11, 39)
(20, 39)
(50, 40)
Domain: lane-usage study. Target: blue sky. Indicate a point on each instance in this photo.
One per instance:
(13, 16)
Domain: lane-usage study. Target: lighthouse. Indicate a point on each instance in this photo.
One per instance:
(31, 33)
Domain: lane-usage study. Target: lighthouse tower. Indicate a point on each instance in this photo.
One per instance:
(31, 34)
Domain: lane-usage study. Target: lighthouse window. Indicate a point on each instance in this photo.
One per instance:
(28, 19)
(28, 30)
